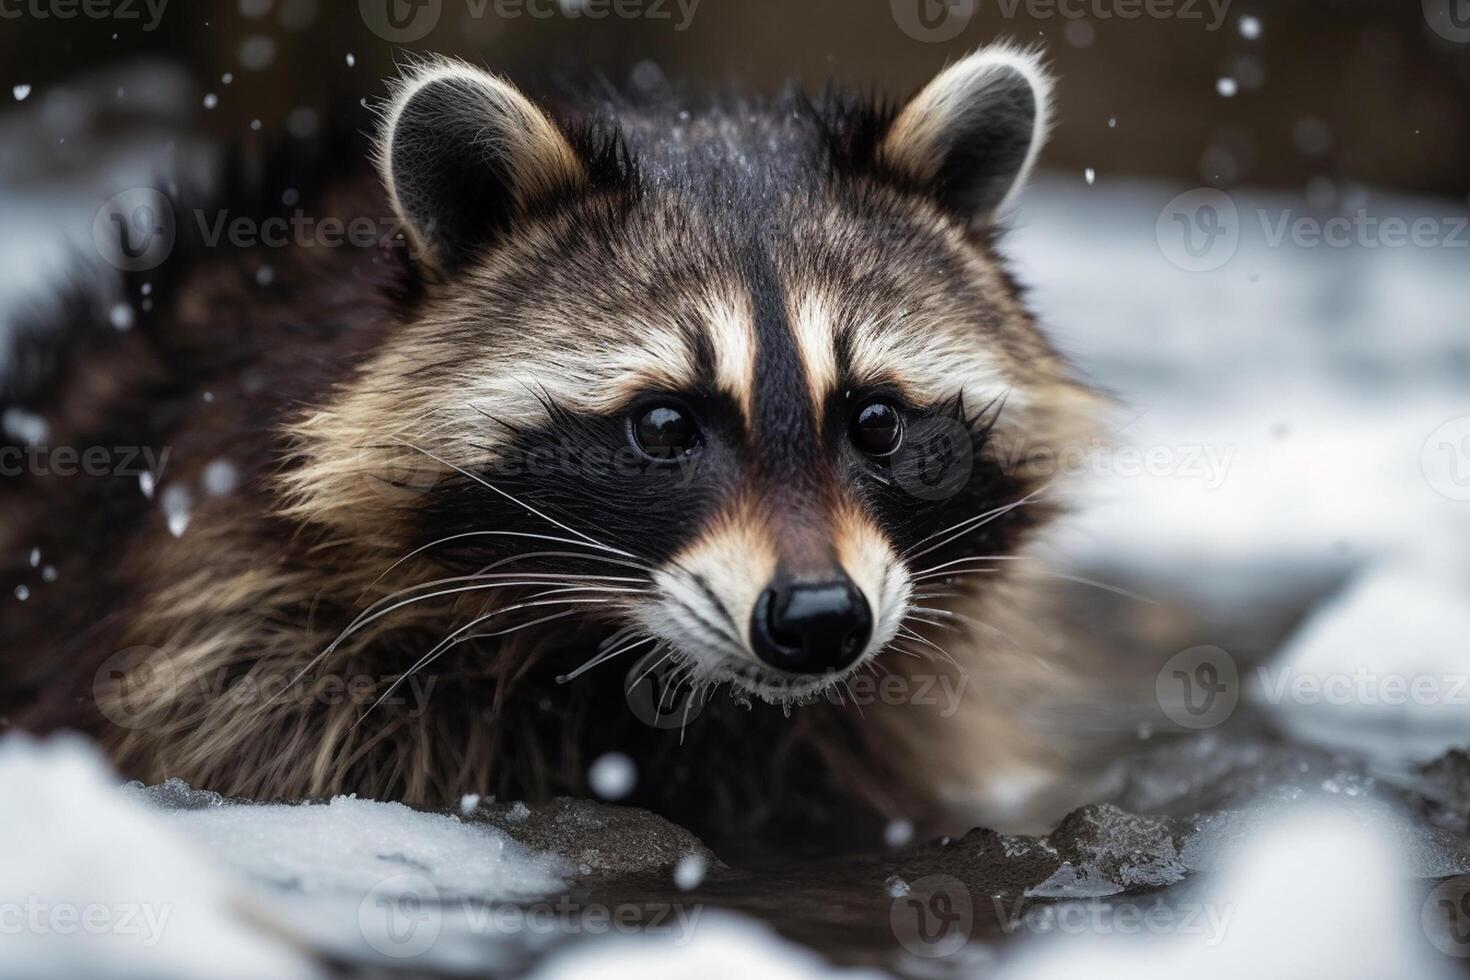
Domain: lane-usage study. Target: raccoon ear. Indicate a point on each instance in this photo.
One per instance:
(972, 134)
(462, 153)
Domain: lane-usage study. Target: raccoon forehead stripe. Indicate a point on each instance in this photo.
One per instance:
(731, 331)
(815, 329)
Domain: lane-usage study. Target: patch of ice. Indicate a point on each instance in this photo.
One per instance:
(1070, 882)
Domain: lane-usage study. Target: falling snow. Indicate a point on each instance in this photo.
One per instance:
(20, 92)
(689, 872)
(121, 316)
(612, 776)
(176, 503)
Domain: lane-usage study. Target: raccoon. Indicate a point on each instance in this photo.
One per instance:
(737, 390)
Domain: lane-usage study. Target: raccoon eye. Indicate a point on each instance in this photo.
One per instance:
(665, 432)
(877, 428)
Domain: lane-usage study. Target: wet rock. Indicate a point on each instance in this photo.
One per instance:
(602, 838)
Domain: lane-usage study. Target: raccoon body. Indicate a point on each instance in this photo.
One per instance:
(736, 391)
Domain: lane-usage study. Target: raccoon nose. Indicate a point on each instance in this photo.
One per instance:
(811, 627)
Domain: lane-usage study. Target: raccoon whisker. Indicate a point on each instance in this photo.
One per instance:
(669, 652)
(846, 687)
(373, 612)
(971, 621)
(970, 558)
(1116, 590)
(509, 534)
(970, 524)
(918, 638)
(956, 574)
(521, 503)
(516, 629)
(937, 595)
(448, 642)
(933, 622)
(360, 622)
(602, 658)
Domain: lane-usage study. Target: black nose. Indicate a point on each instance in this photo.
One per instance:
(811, 627)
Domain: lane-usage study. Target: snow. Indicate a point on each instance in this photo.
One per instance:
(722, 947)
(76, 850)
(181, 883)
(612, 776)
(898, 832)
(1313, 896)
(689, 872)
(1392, 648)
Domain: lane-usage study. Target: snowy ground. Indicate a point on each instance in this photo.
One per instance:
(1301, 417)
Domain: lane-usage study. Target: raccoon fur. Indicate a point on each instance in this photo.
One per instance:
(734, 390)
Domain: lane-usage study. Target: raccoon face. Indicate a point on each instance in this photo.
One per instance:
(747, 380)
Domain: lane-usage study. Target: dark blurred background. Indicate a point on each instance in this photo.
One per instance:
(1370, 92)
